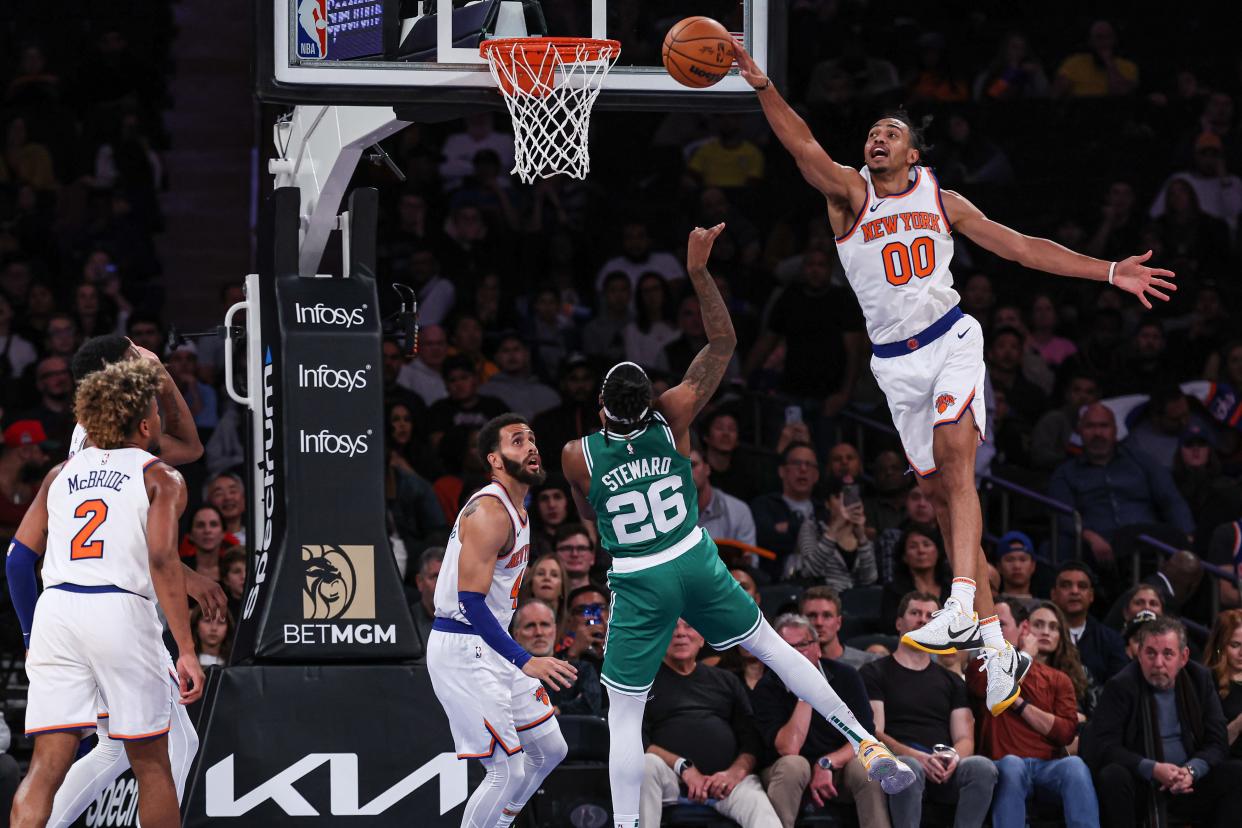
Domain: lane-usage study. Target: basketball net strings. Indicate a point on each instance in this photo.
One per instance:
(551, 122)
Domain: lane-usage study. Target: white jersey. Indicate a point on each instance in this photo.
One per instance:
(896, 257)
(507, 577)
(97, 522)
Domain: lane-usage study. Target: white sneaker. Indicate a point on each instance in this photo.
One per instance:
(1005, 669)
(892, 774)
(948, 631)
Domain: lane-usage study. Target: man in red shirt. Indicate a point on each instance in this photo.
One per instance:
(1028, 740)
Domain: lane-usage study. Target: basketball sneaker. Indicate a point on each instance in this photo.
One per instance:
(883, 767)
(948, 631)
(1005, 669)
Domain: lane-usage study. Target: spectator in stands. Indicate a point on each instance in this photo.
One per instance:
(1159, 428)
(54, 409)
(1047, 642)
(1199, 474)
(919, 705)
(726, 160)
(844, 463)
(553, 508)
(144, 330)
(534, 627)
(921, 568)
(1190, 239)
(577, 415)
(921, 515)
(584, 628)
(1004, 360)
(821, 606)
(577, 553)
(460, 149)
(970, 158)
(1196, 338)
(24, 161)
(16, 353)
(1131, 631)
(392, 360)
(1120, 224)
(23, 462)
(812, 759)
(206, 541)
(779, 515)
(1041, 336)
(1097, 72)
(870, 76)
(514, 384)
(467, 341)
(1028, 739)
(702, 742)
(734, 468)
(464, 472)
(424, 612)
(1101, 649)
(886, 503)
(638, 259)
(548, 582)
(412, 503)
(1142, 597)
(436, 294)
(1015, 558)
(1014, 74)
(233, 578)
(835, 552)
(978, 297)
(720, 513)
(226, 492)
(213, 638)
(676, 356)
(1160, 721)
(1050, 440)
(424, 375)
(1225, 551)
(1218, 192)
(200, 397)
(1224, 659)
(1112, 486)
(652, 327)
(604, 336)
(464, 405)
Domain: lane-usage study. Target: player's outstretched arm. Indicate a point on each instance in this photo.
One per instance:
(166, 489)
(179, 444)
(486, 533)
(835, 181)
(28, 545)
(1131, 275)
(683, 402)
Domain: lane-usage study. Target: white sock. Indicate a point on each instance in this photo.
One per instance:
(991, 630)
(806, 682)
(626, 765)
(542, 755)
(963, 594)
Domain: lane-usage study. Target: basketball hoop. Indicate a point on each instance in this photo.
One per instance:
(550, 85)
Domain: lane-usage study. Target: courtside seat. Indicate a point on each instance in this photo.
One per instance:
(777, 598)
(694, 815)
(578, 790)
(861, 607)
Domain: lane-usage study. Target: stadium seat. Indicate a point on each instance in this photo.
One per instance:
(777, 598)
(586, 736)
(862, 605)
(862, 642)
(694, 815)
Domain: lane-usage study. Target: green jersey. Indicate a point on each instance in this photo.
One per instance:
(643, 494)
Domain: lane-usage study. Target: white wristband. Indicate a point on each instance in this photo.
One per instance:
(1111, 268)
(679, 766)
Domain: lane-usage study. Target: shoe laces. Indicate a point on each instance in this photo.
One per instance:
(986, 654)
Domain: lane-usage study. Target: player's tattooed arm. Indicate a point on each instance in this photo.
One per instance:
(179, 443)
(486, 532)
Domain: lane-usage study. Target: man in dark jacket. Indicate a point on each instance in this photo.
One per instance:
(1159, 728)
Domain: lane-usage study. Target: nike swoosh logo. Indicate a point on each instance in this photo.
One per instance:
(962, 334)
(876, 206)
(955, 633)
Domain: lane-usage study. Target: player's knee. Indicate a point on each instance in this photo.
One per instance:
(108, 749)
(554, 749)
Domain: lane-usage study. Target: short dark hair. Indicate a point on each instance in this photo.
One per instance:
(614, 276)
(820, 593)
(456, 362)
(97, 352)
(431, 554)
(1076, 566)
(1017, 608)
(626, 394)
(231, 556)
(489, 434)
(794, 446)
(1006, 330)
(583, 590)
(918, 137)
(569, 530)
(915, 595)
(142, 318)
(1160, 626)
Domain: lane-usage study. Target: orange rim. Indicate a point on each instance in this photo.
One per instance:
(533, 46)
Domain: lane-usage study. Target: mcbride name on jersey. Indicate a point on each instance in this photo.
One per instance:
(641, 489)
(896, 258)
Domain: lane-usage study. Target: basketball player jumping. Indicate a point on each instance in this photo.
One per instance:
(108, 525)
(179, 444)
(894, 229)
(487, 683)
(633, 476)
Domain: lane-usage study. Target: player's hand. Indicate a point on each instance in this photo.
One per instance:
(190, 677)
(750, 70)
(551, 671)
(143, 353)
(696, 785)
(699, 248)
(1132, 276)
(822, 787)
(208, 595)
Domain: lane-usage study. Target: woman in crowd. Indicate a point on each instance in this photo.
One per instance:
(202, 545)
(546, 581)
(1224, 659)
(922, 567)
(1042, 337)
(213, 639)
(653, 326)
(837, 552)
(1049, 643)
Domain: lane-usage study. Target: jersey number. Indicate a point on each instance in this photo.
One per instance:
(902, 262)
(82, 547)
(517, 585)
(663, 504)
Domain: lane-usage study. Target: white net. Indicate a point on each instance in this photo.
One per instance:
(550, 86)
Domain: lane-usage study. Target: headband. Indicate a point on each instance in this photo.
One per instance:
(614, 417)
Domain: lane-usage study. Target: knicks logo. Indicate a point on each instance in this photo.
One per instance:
(541, 695)
(338, 582)
(943, 402)
(518, 558)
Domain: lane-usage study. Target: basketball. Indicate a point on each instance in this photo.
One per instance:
(698, 52)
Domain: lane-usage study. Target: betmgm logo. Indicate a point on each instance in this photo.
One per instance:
(338, 584)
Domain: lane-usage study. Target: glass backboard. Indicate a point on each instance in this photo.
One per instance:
(426, 52)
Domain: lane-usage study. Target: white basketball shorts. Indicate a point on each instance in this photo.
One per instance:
(934, 386)
(489, 702)
(97, 649)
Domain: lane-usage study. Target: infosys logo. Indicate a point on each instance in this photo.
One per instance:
(325, 442)
(333, 379)
(321, 314)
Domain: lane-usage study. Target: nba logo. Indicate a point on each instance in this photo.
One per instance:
(312, 29)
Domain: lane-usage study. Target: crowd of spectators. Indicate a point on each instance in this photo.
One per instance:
(1083, 133)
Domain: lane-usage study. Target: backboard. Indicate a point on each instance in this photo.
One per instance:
(423, 55)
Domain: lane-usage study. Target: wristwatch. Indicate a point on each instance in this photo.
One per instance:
(825, 763)
(681, 765)
(1193, 775)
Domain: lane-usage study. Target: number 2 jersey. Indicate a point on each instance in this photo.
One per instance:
(510, 564)
(97, 521)
(896, 257)
(643, 494)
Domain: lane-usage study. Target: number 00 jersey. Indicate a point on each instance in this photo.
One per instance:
(97, 521)
(896, 257)
(502, 596)
(643, 494)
